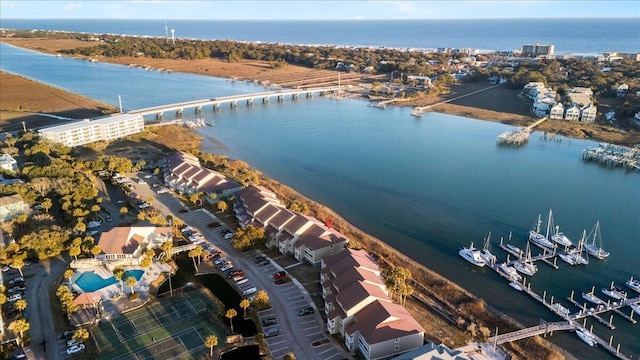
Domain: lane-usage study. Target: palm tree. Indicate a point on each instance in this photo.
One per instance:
(21, 305)
(18, 263)
(118, 273)
(75, 251)
(95, 251)
(222, 206)
(46, 204)
(230, 314)
(123, 212)
(21, 326)
(80, 335)
(69, 274)
(198, 251)
(244, 304)
(192, 254)
(145, 262)
(210, 342)
(166, 247)
(131, 282)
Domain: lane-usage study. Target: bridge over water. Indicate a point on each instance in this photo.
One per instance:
(233, 100)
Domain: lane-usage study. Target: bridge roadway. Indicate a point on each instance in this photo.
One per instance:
(233, 100)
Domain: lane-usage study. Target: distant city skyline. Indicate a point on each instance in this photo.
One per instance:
(315, 10)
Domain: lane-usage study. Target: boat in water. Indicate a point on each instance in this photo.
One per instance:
(592, 248)
(516, 286)
(591, 297)
(417, 112)
(574, 256)
(560, 309)
(486, 253)
(615, 292)
(587, 337)
(472, 255)
(561, 238)
(526, 266)
(510, 271)
(536, 237)
(633, 284)
(635, 307)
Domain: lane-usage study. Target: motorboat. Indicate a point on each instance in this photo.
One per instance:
(594, 249)
(615, 292)
(510, 271)
(635, 307)
(587, 337)
(516, 286)
(591, 297)
(633, 284)
(472, 255)
(560, 309)
(560, 237)
(516, 250)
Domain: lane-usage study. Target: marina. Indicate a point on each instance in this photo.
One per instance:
(613, 155)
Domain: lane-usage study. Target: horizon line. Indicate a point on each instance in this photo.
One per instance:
(355, 20)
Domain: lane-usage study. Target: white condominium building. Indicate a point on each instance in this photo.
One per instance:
(101, 129)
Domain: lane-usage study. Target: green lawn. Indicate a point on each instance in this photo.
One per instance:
(173, 327)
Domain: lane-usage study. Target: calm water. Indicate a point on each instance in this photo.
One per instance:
(426, 186)
(568, 35)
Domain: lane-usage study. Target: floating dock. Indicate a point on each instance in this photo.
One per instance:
(613, 155)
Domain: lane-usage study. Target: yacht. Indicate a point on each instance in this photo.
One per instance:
(568, 258)
(560, 309)
(536, 237)
(591, 297)
(587, 337)
(511, 272)
(574, 256)
(516, 286)
(560, 238)
(594, 249)
(526, 266)
(516, 250)
(633, 284)
(615, 292)
(635, 307)
(472, 255)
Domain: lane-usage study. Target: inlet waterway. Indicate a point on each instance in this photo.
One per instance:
(427, 186)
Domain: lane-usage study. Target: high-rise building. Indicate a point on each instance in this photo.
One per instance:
(537, 50)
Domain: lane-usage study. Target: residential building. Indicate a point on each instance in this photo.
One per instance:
(537, 50)
(622, 90)
(358, 307)
(184, 174)
(101, 129)
(8, 163)
(572, 113)
(557, 112)
(12, 206)
(318, 242)
(580, 96)
(588, 113)
(126, 245)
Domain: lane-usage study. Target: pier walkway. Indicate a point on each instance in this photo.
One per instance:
(418, 110)
(543, 328)
(233, 100)
(520, 136)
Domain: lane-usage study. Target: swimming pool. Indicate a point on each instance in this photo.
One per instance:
(89, 281)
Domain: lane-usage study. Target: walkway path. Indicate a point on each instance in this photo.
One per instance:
(420, 109)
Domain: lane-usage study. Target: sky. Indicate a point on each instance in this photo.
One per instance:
(314, 10)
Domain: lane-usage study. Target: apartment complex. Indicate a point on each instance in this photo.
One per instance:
(292, 233)
(184, 174)
(8, 163)
(101, 129)
(581, 107)
(358, 308)
(537, 50)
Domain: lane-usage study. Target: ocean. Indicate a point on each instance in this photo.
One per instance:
(584, 36)
(426, 186)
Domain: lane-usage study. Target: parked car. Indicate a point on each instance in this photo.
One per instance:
(306, 311)
(269, 321)
(67, 334)
(163, 190)
(259, 259)
(72, 342)
(141, 182)
(249, 291)
(220, 260)
(237, 272)
(108, 218)
(226, 267)
(75, 349)
(271, 332)
(228, 236)
(243, 281)
(14, 297)
(237, 278)
(279, 275)
(16, 289)
(16, 280)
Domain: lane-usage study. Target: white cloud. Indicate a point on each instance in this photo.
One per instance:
(71, 6)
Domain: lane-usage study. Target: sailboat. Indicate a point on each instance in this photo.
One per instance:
(561, 238)
(574, 257)
(587, 337)
(526, 266)
(633, 284)
(596, 250)
(536, 237)
(486, 254)
(591, 297)
(516, 250)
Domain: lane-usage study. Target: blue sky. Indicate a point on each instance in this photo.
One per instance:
(318, 10)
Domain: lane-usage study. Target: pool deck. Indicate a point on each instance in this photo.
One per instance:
(114, 302)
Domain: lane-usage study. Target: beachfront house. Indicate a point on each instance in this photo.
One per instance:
(318, 242)
(126, 245)
(12, 206)
(8, 163)
(184, 174)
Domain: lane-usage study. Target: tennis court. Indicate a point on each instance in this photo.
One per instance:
(169, 329)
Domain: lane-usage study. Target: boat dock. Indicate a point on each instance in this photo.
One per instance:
(614, 156)
(519, 136)
(418, 110)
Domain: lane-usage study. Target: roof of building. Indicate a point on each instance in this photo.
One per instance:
(186, 170)
(358, 292)
(356, 274)
(93, 122)
(318, 237)
(432, 351)
(381, 321)
(88, 298)
(126, 240)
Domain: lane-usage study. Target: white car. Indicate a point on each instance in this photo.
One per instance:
(243, 281)
(141, 182)
(14, 297)
(249, 291)
(75, 349)
(228, 236)
(163, 190)
(72, 342)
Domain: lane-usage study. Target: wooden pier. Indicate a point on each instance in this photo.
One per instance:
(520, 136)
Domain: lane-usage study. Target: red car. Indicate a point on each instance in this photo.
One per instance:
(279, 275)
